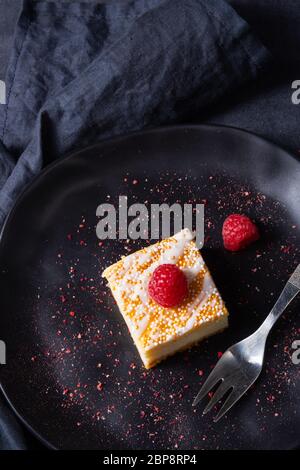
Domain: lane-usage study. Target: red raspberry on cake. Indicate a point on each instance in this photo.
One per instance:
(238, 232)
(168, 285)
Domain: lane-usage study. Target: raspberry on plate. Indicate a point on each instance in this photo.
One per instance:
(168, 285)
(238, 232)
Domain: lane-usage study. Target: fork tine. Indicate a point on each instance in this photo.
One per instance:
(295, 277)
(219, 393)
(234, 396)
(213, 378)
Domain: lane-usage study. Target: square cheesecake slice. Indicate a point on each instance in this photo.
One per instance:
(157, 331)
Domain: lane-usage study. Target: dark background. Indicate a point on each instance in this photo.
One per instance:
(266, 109)
(275, 21)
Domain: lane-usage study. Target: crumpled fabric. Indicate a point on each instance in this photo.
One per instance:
(83, 72)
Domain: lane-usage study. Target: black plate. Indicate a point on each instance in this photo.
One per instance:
(76, 378)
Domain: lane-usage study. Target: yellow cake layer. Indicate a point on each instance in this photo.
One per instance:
(157, 331)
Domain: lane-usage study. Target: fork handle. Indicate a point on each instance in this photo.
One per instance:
(291, 289)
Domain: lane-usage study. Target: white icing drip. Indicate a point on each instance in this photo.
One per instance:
(141, 326)
(145, 257)
(140, 290)
(173, 254)
(193, 271)
(128, 261)
(185, 234)
(207, 289)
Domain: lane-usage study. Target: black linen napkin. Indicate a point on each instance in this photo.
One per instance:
(82, 72)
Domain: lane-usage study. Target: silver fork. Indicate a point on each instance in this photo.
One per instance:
(241, 364)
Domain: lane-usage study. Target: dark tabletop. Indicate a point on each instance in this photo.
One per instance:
(277, 25)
